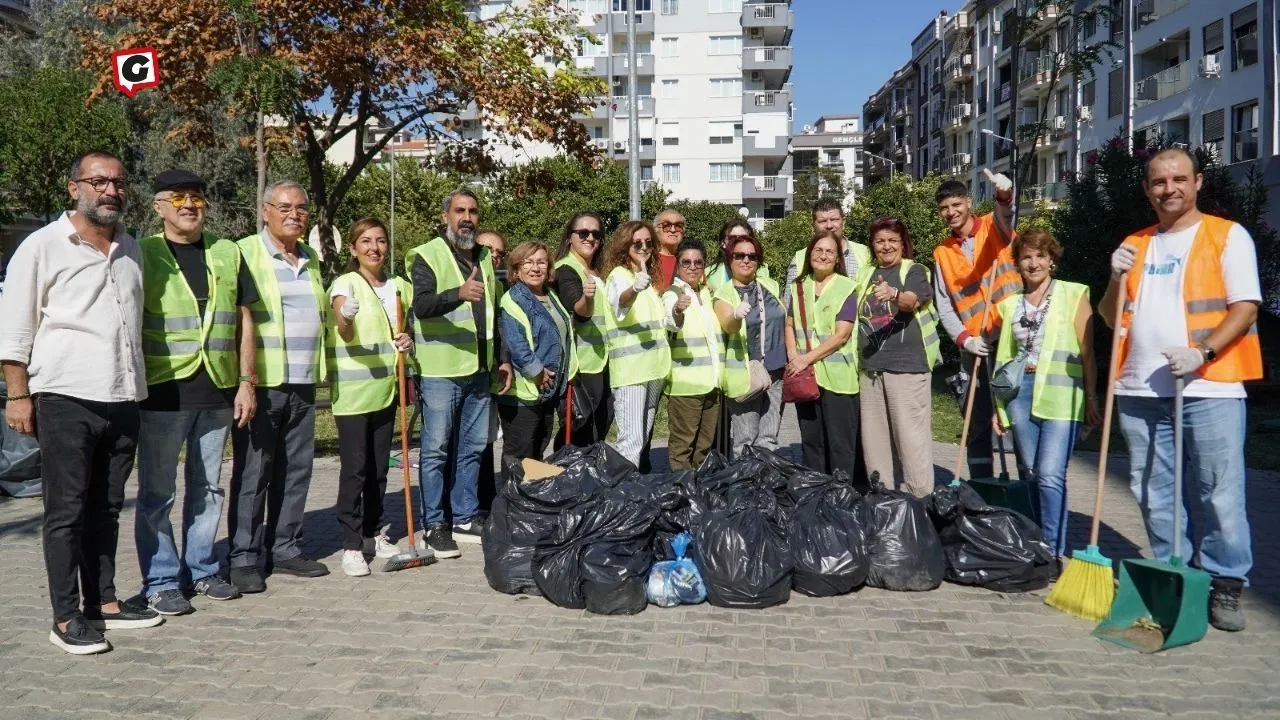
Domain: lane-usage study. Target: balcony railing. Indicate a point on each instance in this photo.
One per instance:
(1146, 12)
(1038, 69)
(644, 105)
(957, 163)
(1164, 84)
(957, 114)
(766, 58)
(1003, 93)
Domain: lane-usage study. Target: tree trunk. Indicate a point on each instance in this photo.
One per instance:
(260, 160)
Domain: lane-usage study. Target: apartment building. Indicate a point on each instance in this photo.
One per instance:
(713, 96)
(831, 151)
(889, 116)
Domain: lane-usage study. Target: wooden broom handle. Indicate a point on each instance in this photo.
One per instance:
(1113, 369)
(968, 415)
(404, 427)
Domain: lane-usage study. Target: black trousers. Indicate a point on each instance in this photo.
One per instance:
(596, 429)
(978, 447)
(829, 432)
(86, 451)
(526, 430)
(364, 446)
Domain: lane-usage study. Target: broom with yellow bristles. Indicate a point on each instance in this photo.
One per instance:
(1087, 586)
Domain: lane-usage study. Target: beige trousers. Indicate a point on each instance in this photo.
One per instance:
(897, 429)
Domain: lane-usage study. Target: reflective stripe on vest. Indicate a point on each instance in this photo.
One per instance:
(992, 276)
(593, 349)
(1058, 392)
(448, 345)
(638, 349)
(525, 389)
(363, 371)
(736, 379)
(176, 340)
(837, 372)
(1204, 296)
(693, 369)
(267, 313)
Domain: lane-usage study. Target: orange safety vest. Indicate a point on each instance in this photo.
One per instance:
(1204, 295)
(991, 277)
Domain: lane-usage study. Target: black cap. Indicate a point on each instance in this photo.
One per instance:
(177, 178)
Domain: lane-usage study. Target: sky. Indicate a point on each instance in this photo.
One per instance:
(846, 49)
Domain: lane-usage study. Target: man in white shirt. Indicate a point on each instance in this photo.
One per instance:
(71, 347)
(1191, 288)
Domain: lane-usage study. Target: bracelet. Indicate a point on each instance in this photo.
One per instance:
(18, 397)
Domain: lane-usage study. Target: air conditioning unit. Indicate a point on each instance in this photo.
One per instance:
(968, 59)
(755, 74)
(755, 32)
(619, 146)
(995, 27)
(1059, 122)
(1210, 66)
(1086, 114)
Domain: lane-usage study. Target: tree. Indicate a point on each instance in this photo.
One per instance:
(390, 65)
(419, 192)
(703, 220)
(911, 201)
(819, 183)
(783, 237)
(44, 125)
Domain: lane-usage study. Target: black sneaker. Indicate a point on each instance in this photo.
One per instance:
(1224, 605)
(215, 588)
(128, 617)
(248, 580)
(470, 531)
(169, 602)
(79, 638)
(440, 541)
(301, 566)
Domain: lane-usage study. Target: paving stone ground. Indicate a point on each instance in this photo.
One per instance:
(438, 643)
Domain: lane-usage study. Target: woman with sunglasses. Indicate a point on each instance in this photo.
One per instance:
(753, 319)
(693, 388)
(577, 283)
(719, 272)
(368, 308)
(639, 357)
(828, 425)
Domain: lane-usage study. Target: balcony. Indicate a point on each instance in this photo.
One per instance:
(959, 114)
(959, 23)
(1047, 192)
(764, 146)
(599, 110)
(647, 184)
(1164, 84)
(1039, 16)
(770, 22)
(1035, 74)
(644, 65)
(621, 150)
(774, 60)
(622, 103)
(959, 68)
(617, 23)
(958, 164)
(767, 101)
(766, 187)
(1147, 12)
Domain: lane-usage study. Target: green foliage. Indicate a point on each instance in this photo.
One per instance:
(703, 220)
(814, 184)
(44, 125)
(783, 237)
(419, 192)
(911, 201)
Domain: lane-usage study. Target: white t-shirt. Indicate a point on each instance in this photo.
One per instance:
(386, 295)
(1160, 320)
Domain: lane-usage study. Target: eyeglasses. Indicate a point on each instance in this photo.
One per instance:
(671, 226)
(693, 264)
(746, 257)
(180, 199)
(533, 264)
(583, 234)
(99, 184)
(302, 210)
(823, 252)
(642, 244)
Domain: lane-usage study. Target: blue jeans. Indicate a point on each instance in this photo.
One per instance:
(455, 430)
(1044, 448)
(1213, 476)
(161, 437)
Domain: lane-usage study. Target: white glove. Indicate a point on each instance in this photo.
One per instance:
(1000, 183)
(741, 311)
(977, 346)
(350, 308)
(1122, 260)
(641, 282)
(1184, 360)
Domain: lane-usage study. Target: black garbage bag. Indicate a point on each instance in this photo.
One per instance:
(828, 536)
(742, 552)
(995, 548)
(671, 491)
(600, 461)
(904, 549)
(773, 460)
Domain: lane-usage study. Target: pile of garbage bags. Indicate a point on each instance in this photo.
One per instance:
(596, 534)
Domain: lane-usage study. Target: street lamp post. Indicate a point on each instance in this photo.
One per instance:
(1013, 163)
(884, 159)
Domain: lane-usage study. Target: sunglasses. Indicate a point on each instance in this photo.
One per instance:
(693, 264)
(672, 226)
(642, 244)
(583, 234)
(746, 257)
(180, 199)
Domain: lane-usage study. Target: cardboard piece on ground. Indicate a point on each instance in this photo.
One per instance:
(537, 470)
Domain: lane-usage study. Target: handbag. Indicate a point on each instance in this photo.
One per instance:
(803, 386)
(758, 377)
(1007, 378)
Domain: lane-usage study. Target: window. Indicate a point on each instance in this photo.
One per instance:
(1115, 92)
(671, 173)
(1213, 131)
(724, 6)
(1063, 103)
(670, 7)
(1244, 132)
(586, 48)
(726, 172)
(1089, 27)
(670, 89)
(1244, 37)
(1213, 37)
(1088, 95)
(646, 172)
(640, 5)
(670, 133)
(723, 133)
(725, 87)
(597, 132)
(725, 45)
(670, 47)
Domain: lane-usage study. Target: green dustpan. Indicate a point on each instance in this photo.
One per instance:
(1161, 605)
(1004, 492)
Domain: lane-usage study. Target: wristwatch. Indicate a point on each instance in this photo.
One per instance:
(1209, 353)
(251, 379)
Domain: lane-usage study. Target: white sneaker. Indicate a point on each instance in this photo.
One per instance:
(382, 545)
(353, 563)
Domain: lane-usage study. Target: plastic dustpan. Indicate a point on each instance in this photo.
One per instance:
(1161, 605)
(1016, 495)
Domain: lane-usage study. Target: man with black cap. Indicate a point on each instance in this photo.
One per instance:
(198, 346)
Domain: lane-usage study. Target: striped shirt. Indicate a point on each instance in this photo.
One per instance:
(303, 330)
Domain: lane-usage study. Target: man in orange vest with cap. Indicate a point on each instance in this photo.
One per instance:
(974, 272)
(1191, 293)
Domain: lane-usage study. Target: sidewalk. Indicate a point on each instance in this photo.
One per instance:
(437, 643)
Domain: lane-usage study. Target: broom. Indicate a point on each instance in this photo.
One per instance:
(1087, 587)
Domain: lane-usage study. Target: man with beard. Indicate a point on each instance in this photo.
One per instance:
(71, 347)
(271, 462)
(670, 224)
(455, 296)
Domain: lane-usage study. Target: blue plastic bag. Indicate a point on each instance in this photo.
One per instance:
(676, 582)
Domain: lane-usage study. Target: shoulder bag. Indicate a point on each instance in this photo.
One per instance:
(803, 386)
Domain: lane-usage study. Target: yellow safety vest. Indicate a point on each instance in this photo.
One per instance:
(1058, 393)
(736, 380)
(447, 345)
(525, 389)
(593, 349)
(362, 373)
(693, 366)
(860, 251)
(837, 372)
(268, 312)
(176, 340)
(926, 317)
(638, 350)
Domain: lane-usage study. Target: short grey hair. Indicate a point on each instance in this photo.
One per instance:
(457, 193)
(657, 217)
(283, 185)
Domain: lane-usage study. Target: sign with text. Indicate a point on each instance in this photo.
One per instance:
(135, 69)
